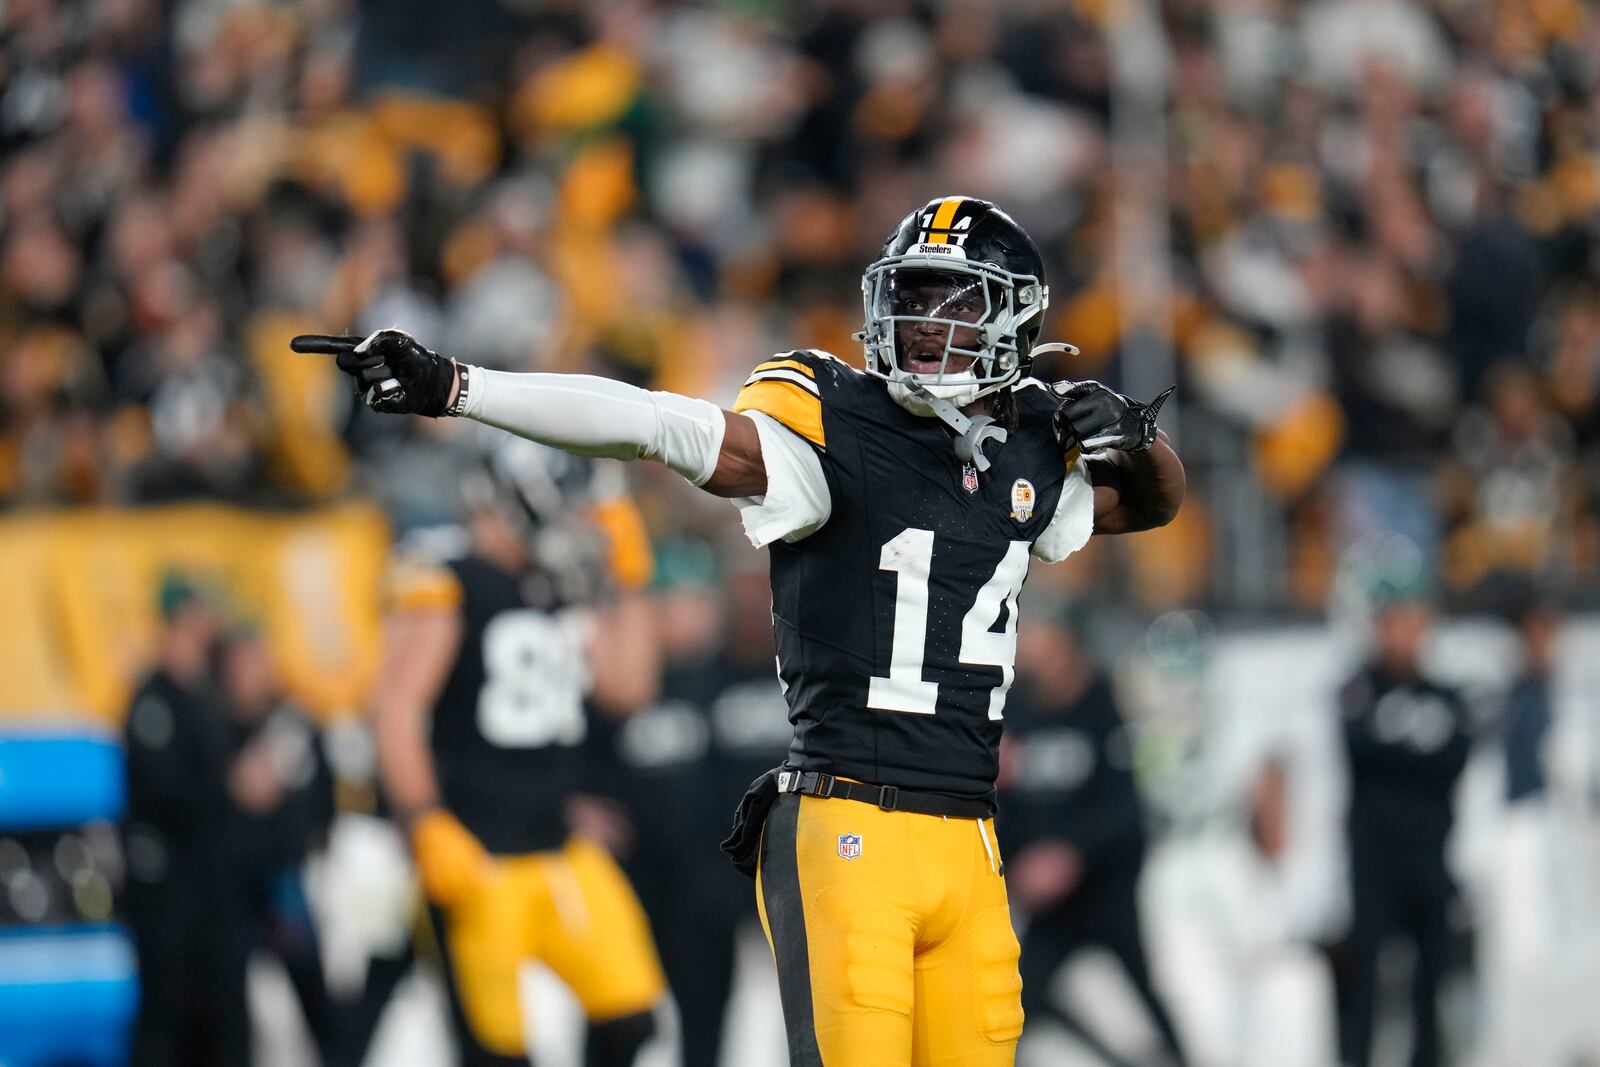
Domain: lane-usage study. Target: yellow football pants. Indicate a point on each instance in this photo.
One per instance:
(892, 937)
(570, 908)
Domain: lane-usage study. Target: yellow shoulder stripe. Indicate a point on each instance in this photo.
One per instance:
(791, 364)
(787, 402)
(416, 587)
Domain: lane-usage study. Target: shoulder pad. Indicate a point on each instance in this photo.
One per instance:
(418, 584)
(829, 358)
(786, 388)
(814, 359)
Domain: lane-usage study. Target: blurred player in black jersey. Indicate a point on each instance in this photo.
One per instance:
(749, 733)
(901, 504)
(1073, 823)
(651, 765)
(479, 713)
(684, 762)
(1407, 738)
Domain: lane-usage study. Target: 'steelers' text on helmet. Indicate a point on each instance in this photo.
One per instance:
(958, 284)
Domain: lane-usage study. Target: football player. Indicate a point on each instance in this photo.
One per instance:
(901, 504)
(478, 713)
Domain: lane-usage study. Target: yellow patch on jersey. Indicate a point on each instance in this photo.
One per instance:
(939, 232)
(782, 364)
(791, 404)
(417, 586)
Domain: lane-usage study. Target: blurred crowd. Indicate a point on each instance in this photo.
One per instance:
(1381, 220)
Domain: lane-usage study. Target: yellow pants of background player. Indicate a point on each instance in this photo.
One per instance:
(902, 956)
(571, 909)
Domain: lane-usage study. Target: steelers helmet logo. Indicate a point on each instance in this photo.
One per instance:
(941, 227)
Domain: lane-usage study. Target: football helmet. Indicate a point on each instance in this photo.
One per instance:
(545, 497)
(954, 304)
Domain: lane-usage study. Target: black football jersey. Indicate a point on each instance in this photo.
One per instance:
(680, 765)
(896, 620)
(507, 728)
(1072, 777)
(1407, 742)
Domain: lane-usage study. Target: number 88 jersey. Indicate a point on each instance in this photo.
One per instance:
(896, 569)
(507, 727)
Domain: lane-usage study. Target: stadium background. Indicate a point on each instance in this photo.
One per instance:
(1360, 235)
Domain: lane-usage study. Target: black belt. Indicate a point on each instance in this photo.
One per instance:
(887, 797)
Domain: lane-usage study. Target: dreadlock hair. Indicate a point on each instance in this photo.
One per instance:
(1004, 409)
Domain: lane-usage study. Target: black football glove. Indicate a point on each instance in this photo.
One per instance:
(392, 372)
(1092, 417)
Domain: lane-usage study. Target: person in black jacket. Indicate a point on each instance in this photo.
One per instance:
(679, 766)
(1407, 739)
(1072, 822)
(281, 782)
(182, 903)
(747, 731)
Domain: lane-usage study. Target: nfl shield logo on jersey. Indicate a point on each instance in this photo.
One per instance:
(1022, 500)
(969, 478)
(849, 845)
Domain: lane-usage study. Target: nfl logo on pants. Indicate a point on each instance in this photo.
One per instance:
(849, 845)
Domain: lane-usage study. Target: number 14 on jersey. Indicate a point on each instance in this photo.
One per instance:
(909, 555)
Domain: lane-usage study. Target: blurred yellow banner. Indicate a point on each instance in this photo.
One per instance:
(79, 608)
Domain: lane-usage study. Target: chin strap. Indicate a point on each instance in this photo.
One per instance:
(971, 433)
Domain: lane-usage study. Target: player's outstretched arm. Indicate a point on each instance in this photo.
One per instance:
(419, 647)
(715, 449)
(740, 470)
(1139, 482)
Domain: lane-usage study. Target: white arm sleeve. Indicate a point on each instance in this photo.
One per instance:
(796, 502)
(599, 417)
(1073, 521)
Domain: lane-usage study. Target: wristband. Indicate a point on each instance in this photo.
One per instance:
(463, 378)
